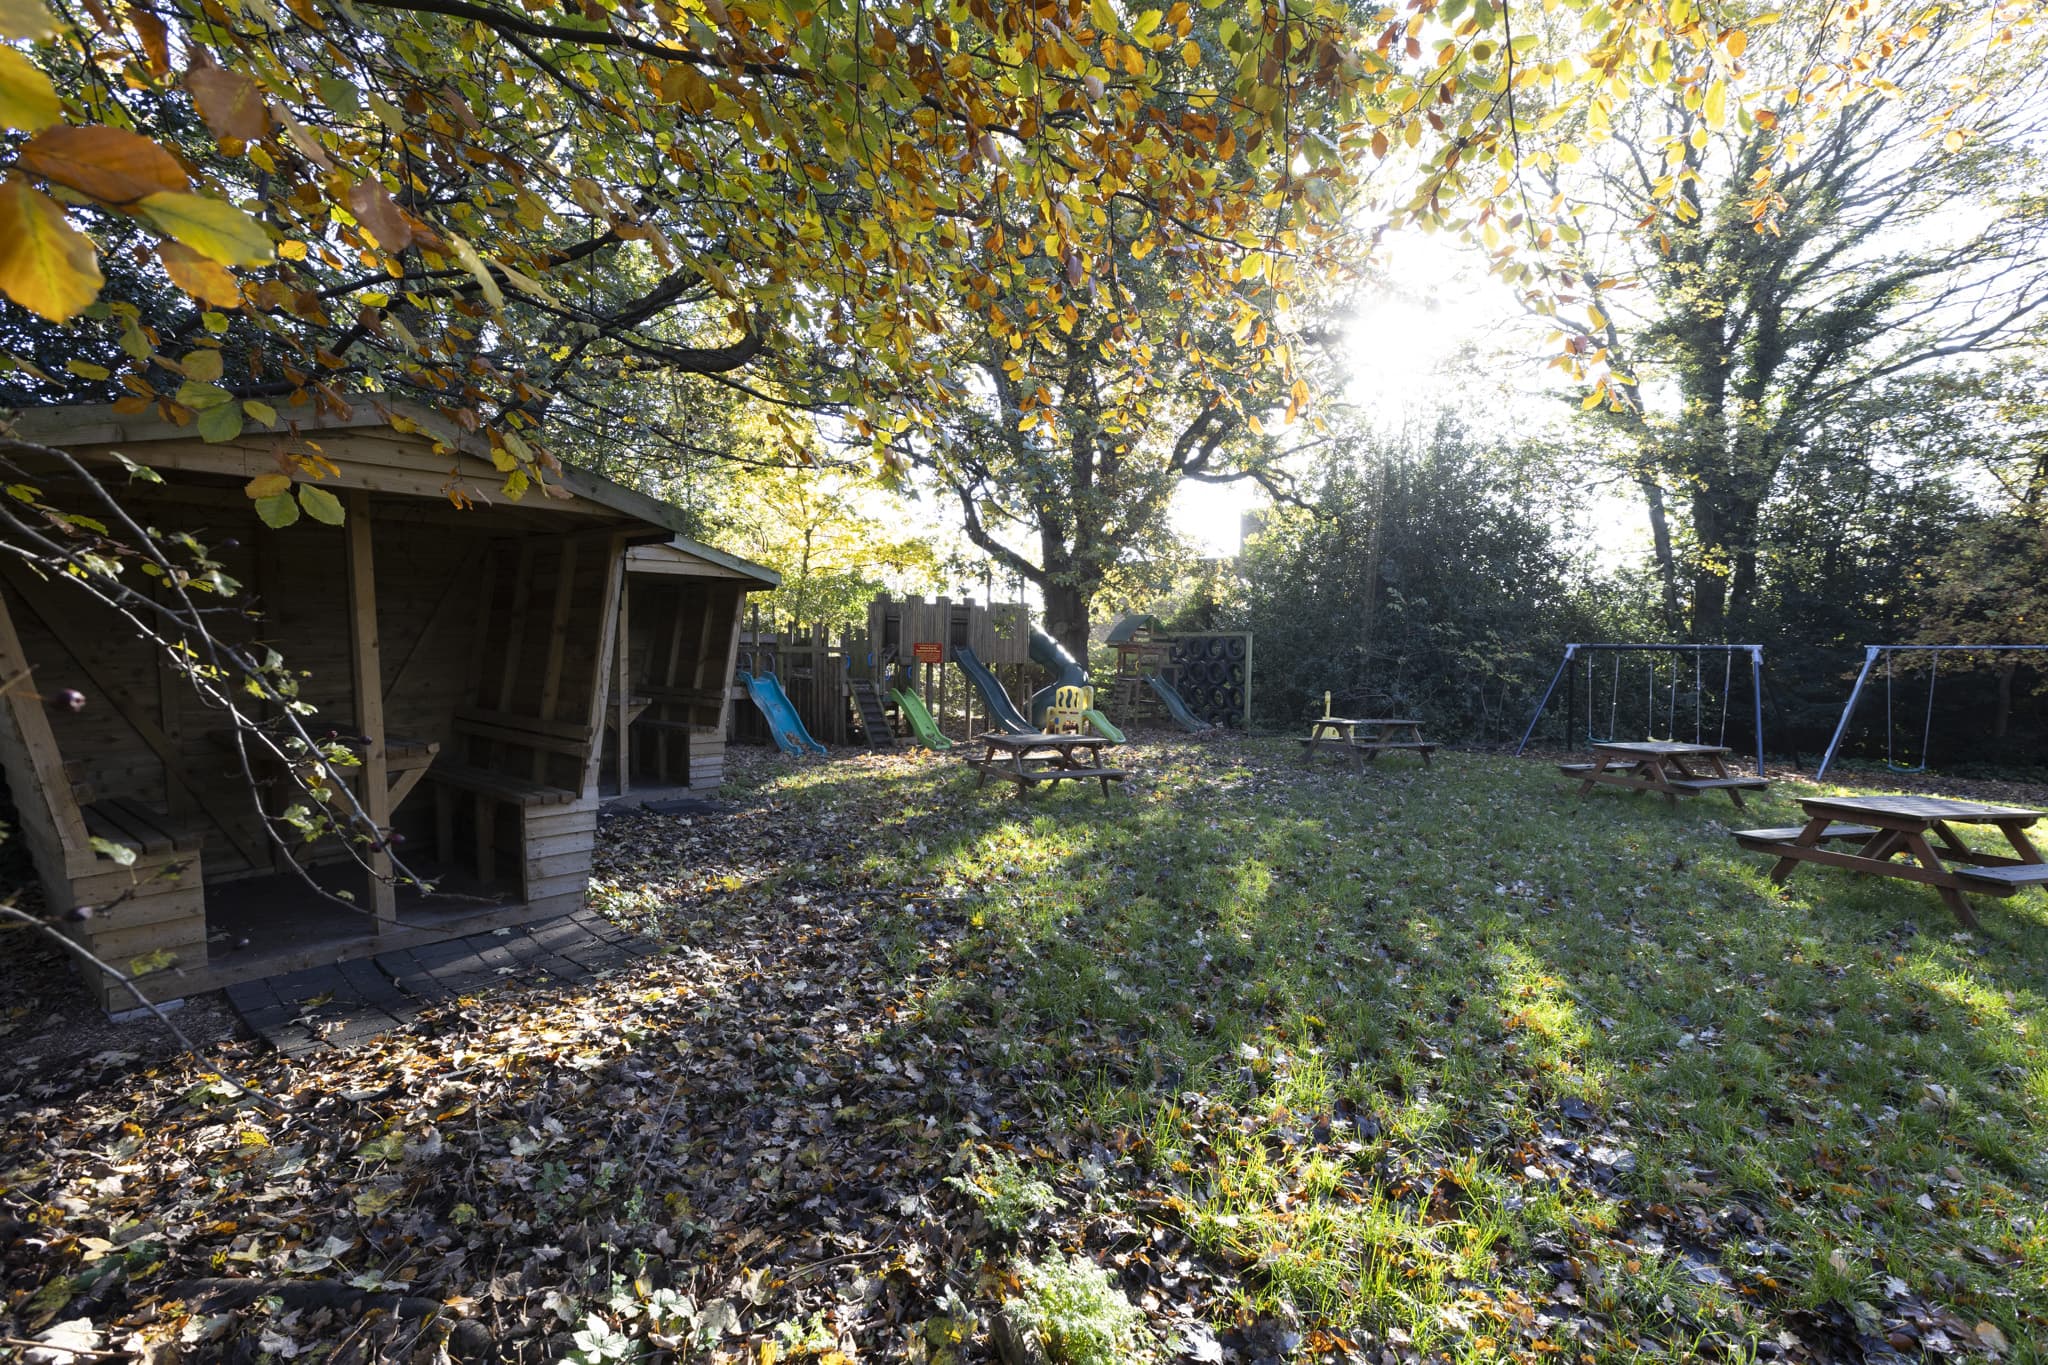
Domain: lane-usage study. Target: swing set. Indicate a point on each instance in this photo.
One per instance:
(1618, 701)
(1871, 654)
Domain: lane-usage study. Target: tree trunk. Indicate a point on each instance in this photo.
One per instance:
(1066, 617)
(1660, 539)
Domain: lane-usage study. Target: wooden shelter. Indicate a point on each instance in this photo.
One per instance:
(462, 652)
(672, 692)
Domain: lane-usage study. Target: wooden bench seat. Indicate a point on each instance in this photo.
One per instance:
(1709, 784)
(2013, 876)
(490, 749)
(499, 786)
(1785, 834)
(136, 827)
(1581, 769)
(1064, 774)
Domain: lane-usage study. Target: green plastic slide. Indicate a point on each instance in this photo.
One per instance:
(921, 722)
(1175, 707)
(1103, 727)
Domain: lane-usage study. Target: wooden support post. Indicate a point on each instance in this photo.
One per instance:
(170, 688)
(624, 683)
(366, 667)
(558, 634)
(608, 632)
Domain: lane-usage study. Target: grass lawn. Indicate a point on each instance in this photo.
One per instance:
(1440, 1064)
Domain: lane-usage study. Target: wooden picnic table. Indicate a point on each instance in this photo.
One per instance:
(1029, 759)
(1672, 768)
(1889, 826)
(1341, 735)
(1332, 735)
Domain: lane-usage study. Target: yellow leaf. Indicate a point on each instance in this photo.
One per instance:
(27, 99)
(292, 251)
(209, 226)
(204, 279)
(85, 369)
(25, 19)
(1191, 53)
(1717, 104)
(474, 264)
(46, 265)
(1953, 142)
(1103, 15)
(204, 366)
(266, 485)
(1734, 41)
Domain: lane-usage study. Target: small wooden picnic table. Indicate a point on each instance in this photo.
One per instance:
(1672, 768)
(1341, 735)
(1889, 826)
(1029, 759)
(1332, 735)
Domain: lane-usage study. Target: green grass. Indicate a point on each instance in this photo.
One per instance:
(1337, 1023)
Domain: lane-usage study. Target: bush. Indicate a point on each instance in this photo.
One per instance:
(1428, 576)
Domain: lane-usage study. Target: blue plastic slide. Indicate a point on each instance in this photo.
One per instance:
(998, 701)
(783, 721)
(1177, 708)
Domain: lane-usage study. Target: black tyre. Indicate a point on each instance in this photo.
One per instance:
(1233, 649)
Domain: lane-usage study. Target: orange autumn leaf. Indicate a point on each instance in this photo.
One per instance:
(232, 105)
(200, 276)
(109, 164)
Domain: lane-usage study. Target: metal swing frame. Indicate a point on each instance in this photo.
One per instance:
(1573, 651)
(1870, 657)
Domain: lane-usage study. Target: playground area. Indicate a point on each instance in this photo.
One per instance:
(938, 673)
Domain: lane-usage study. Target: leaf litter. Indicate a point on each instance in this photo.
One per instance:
(884, 1002)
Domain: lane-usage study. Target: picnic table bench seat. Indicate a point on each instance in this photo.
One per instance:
(1779, 834)
(1060, 774)
(1706, 784)
(2020, 874)
(1581, 769)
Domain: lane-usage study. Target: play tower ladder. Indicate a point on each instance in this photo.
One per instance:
(874, 722)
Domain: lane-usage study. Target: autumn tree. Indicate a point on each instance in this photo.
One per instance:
(836, 540)
(1897, 241)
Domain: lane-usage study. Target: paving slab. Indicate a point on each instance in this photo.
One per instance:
(366, 997)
